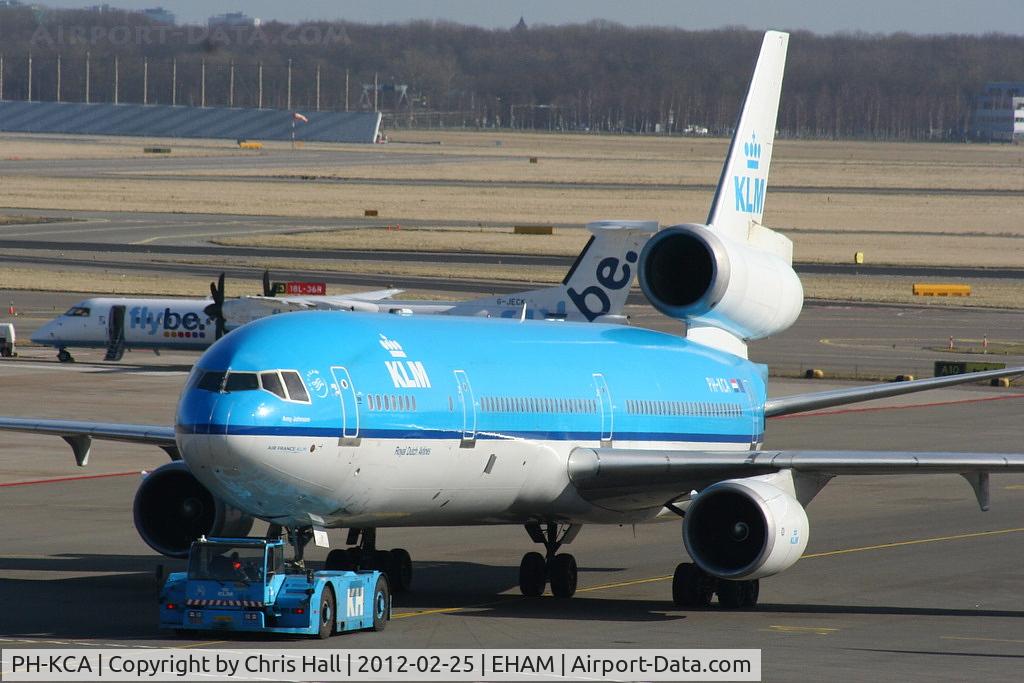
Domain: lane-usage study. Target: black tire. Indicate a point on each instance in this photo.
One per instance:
(532, 574)
(339, 560)
(381, 603)
(400, 576)
(563, 574)
(691, 586)
(327, 614)
(738, 594)
(64, 356)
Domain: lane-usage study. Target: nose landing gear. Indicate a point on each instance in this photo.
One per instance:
(536, 570)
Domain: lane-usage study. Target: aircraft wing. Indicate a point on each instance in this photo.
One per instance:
(799, 403)
(375, 295)
(625, 479)
(79, 434)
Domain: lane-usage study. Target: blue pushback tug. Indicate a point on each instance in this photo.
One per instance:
(244, 584)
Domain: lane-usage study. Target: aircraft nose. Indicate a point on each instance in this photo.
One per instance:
(44, 333)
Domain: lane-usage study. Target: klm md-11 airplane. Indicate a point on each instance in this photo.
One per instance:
(321, 420)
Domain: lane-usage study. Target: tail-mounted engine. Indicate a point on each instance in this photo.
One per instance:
(172, 509)
(697, 275)
(745, 529)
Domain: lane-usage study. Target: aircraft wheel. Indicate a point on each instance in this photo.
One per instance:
(64, 356)
(738, 594)
(381, 603)
(532, 574)
(327, 614)
(563, 575)
(691, 586)
(340, 560)
(400, 575)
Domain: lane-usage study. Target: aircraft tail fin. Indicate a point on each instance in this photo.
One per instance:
(598, 283)
(738, 206)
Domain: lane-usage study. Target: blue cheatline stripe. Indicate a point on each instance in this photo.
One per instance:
(178, 343)
(332, 432)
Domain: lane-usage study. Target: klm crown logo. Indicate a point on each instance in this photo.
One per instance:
(749, 189)
(392, 347)
(752, 150)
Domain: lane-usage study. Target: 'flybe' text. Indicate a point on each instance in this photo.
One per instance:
(607, 278)
(142, 317)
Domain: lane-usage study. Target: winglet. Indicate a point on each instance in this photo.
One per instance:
(739, 199)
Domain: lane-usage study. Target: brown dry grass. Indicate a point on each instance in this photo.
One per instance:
(24, 146)
(985, 292)
(944, 229)
(649, 160)
(564, 241)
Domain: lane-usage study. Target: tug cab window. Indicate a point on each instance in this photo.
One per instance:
(78, 312)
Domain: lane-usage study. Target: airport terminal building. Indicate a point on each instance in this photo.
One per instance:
(999, 114)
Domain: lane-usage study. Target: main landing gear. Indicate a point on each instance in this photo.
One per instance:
(363, 554)
(693, 587)
(64, 356)
(536, 570)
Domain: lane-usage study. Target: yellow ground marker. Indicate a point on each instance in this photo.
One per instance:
(986, 640)
(816, 630)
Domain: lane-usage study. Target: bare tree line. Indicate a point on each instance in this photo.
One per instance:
(590, 77)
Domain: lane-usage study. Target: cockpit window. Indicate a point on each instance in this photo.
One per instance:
(241, 381)
(211, 380)
(296, 389)
(271, 382)
(78, 312)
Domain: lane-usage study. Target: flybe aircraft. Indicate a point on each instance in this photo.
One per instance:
(323, 420)
(595, 288)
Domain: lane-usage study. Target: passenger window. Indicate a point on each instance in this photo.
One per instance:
(241, 381)
(271, 382)
(296, 389)
(211, 381)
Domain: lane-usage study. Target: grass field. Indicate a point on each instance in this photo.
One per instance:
(910, 206)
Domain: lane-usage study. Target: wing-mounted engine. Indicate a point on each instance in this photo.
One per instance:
(745, 529)
(702, 277)
(172, 509)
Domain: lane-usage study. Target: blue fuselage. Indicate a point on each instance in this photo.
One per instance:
(482, 411)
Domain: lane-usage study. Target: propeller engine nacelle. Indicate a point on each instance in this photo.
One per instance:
(745, 529)
(695, 274)
(172, 509)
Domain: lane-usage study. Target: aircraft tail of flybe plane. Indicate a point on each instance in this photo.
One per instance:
(348, 420)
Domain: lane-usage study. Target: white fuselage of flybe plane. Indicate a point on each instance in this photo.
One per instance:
(362, 420)
(147, 323)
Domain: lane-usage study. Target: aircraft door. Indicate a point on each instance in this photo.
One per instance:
(346, 392)
(468, 408)
(115, 325)
(604, 407)
(757, 425)
(115, 333)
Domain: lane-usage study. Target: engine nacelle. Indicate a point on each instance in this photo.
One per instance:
(745, 529)
(172, 509)
(695, 274)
